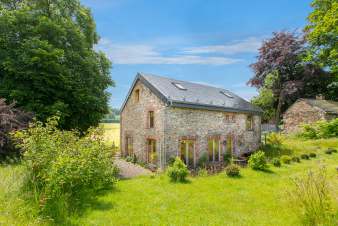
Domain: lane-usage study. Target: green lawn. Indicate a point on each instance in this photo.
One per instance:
(256, 198)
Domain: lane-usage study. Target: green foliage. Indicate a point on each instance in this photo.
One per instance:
(320, 129)
(131, 158)
(171, 160)
(312, 155)
(274, 139)
(227, 158)
(62, 167)
(285, 159)
(329, 151)
(322, 34)
(203, 160)
(178, 172)
(257, 161)
(266, 101)
(304, 156)
(48, 62)
(202, 172)
(232, 170)
(295, 159)
(276, 162)
(310, 194)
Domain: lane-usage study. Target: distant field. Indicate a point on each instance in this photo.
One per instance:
(111, 133)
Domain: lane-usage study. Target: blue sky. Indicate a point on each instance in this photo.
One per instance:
(209, 42)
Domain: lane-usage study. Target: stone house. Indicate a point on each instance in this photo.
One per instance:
(163, 118)
(305, 111)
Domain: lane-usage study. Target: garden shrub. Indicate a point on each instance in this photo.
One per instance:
(227, 158)
(310, 196)
(202, 172)
(232, 170)
(320, 129)
(257, 161)
(171, 160)
(304, 156)
(328, 151)
(63, 168)
(276, 162)
(202, 161)
(285, 159)
(274, 139)
(295, 159)
(333, 150)
(178, 171)
(129, 158)
(312, 155)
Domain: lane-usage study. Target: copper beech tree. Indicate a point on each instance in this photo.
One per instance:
(280, 68)
(11, 119)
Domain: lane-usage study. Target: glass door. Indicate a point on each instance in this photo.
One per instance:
(187, 150)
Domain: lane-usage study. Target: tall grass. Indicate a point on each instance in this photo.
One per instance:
(310, 193)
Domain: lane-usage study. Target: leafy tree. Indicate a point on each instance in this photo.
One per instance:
(279, 67)
(48, 62)
(266, 101)
(11, 119)
(322, 35)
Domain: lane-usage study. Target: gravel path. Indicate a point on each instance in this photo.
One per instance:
(130, 170)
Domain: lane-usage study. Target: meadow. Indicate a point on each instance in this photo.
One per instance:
(255, 198)
(111, 133)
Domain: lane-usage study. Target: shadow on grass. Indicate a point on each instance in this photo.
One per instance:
(237, 177)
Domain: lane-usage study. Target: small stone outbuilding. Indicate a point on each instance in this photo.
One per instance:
(163, 118)
(305, 111)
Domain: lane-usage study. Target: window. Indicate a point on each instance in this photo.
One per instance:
(214, 149)
(229, 118)
(179, 86)
(137, 95)
(187, 149)
(129, 146)
(151, 119)
(249, 122)
(151, 151)
(227, 94)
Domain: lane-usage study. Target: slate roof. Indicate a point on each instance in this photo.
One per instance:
(195, 95)
(328, 106)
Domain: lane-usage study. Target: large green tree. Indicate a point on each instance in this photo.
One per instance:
(322, 36)
(48, 64)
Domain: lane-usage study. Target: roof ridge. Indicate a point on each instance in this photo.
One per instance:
(195, 83)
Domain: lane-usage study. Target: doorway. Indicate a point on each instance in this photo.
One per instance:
(187, 152)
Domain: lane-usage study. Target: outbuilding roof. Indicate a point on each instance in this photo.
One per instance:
(328, 106)
(185, 94)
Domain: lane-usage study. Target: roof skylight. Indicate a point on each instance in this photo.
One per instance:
(179, 86)
(225, 93)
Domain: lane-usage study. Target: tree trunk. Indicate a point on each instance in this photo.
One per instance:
(279, 109)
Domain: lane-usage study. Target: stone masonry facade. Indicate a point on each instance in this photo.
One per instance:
(302, 113)
(172, 125)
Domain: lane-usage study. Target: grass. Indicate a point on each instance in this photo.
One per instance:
(255, 198)
(111, 133)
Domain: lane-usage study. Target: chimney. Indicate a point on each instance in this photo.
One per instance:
(320, 97)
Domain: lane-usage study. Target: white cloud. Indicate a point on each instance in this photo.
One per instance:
(148, 54)
(249, 45)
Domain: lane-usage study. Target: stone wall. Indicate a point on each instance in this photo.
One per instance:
(201, 124)
(300, 113)
(172, 124)
(135, 123)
